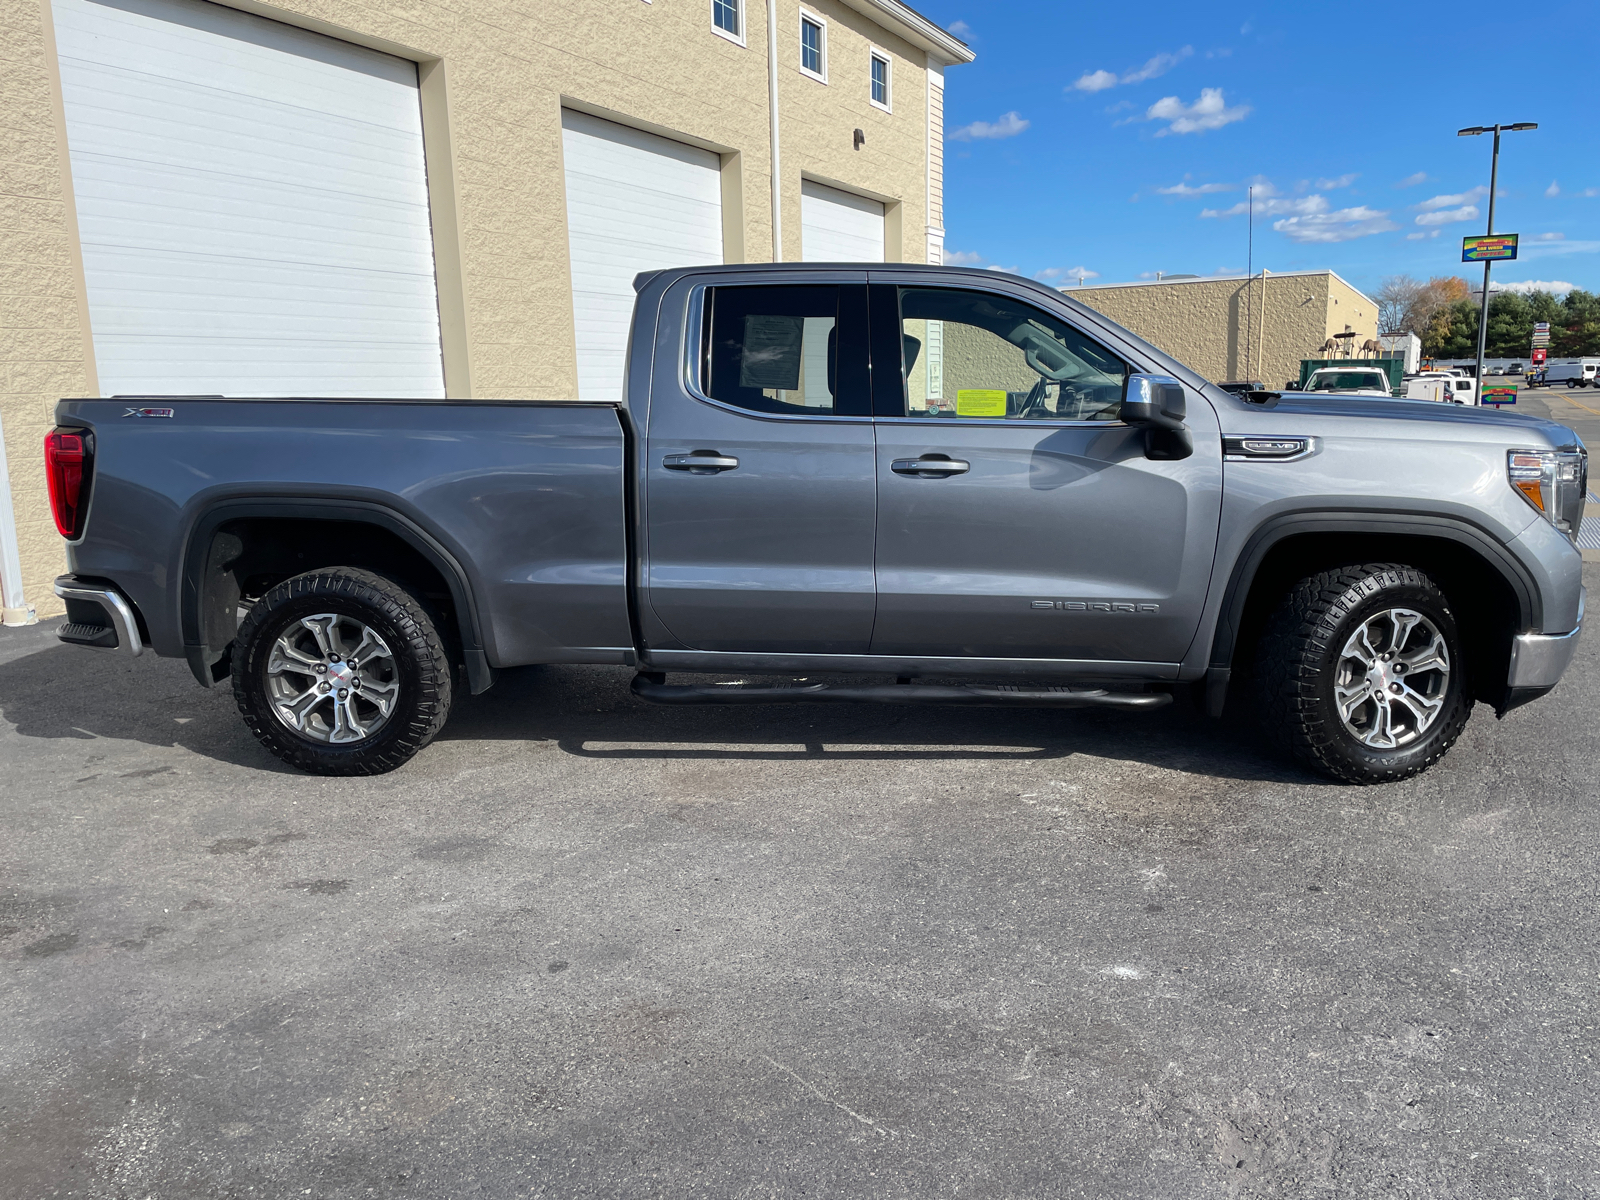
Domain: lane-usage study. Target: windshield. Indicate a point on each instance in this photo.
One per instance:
(1347, 381)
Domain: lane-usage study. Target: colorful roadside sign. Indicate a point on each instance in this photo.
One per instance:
(1541, 333)
(1539, 357)
(1541, 326)
(1505, 393)
(1500, 247)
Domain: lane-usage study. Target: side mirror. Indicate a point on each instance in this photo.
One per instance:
(1155, 403)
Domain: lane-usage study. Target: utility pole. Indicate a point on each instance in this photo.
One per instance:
(1494, 173)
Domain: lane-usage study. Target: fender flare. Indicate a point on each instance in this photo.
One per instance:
(202, 658)
(1530, 605)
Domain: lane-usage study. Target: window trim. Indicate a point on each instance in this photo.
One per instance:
(806, 15)
(879, 346)
(876, 55)
(738, 39)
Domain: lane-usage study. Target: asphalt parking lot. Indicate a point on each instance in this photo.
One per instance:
(584, 947)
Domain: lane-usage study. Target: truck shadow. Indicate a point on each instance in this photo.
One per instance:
(61, 692)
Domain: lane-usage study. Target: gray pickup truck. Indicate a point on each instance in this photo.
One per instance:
(895, 484)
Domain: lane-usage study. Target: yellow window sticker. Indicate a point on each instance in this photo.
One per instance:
(980, 402)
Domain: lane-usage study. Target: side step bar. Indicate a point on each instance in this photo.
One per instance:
(653, 687)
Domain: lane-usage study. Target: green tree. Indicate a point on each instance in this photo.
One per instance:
(1453, 332)
(1577, 330)
(1510, 326)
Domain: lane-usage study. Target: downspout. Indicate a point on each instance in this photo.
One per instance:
(772, 107)
(16, 610)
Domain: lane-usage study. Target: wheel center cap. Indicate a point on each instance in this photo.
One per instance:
(340, 674)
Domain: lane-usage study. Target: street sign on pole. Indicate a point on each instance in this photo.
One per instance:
(1500, 247)
(1505, 393)
(1539, 357)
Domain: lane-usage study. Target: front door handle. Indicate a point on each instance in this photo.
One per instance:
(930, 467)
(701, 462)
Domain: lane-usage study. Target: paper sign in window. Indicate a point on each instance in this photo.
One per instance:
(771, 354)
(980, 402)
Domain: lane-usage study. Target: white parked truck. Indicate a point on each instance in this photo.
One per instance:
(1574, 372)
(1350, 381)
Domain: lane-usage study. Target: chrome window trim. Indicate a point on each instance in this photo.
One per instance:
(992, 423)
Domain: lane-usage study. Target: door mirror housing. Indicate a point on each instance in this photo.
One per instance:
(1153, 401)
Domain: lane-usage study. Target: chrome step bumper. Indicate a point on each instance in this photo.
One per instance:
(119, 630)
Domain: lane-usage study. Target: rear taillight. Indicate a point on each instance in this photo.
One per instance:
(68, 462)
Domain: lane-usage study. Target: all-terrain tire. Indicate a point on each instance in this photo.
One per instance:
(1298, 660)
(420, 670)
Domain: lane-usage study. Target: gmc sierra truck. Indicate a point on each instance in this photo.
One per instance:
(893, 484)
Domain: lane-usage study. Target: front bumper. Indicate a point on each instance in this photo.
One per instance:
(1538, 660)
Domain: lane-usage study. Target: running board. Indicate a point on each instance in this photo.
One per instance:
(652, 687)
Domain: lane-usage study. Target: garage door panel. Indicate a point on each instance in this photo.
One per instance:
(635, 202)
(838, 226)
(251, 198)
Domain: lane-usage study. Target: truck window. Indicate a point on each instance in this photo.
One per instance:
(773, 349)
(977, 355)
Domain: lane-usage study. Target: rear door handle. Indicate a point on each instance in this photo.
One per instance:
(701, 462)
(930, 468)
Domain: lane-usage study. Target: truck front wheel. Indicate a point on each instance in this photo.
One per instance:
(341, 672)
(1362, 673)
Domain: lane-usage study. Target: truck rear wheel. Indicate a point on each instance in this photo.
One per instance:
(1362, 673)
(341, 672)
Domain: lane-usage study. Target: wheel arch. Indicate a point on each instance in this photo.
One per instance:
(235, 541)
(1491, 593)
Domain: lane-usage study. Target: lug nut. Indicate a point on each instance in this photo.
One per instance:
(355, 683)
(343, 692)
(324, 687)
(321, 668)
(1396, 688)
(1399, 668)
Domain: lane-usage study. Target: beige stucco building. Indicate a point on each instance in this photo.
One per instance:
(1256, 328)
(374, 197)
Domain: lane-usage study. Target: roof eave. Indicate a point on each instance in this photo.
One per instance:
(916, 29)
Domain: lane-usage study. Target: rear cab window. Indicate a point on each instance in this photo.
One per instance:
(794, 350)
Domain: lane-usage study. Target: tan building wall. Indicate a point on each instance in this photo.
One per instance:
(1239, 328)
(494, 77)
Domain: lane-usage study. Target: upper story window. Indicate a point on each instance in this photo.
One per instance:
(727, 18)
(880, 80)
(814, 46)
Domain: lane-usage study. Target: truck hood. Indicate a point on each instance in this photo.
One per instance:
(1424, 417)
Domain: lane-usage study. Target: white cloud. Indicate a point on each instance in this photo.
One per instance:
(961, 29)
(1466, 212)
(1003, 270)
(1160, 64)
(1552, 237)
(1050, 274)
(1545, 249)
(1205, 189)
(1157, 66)
(962, 258)
(1591, 192)
(1095, 81)
(1532, 285)
(1454, 201)
(1417, 237)
(1208, 112)
(1273, 206)
(1342, 225)
(1413, 180)
(1342, 181)
(1009, 125)
(1554, 189)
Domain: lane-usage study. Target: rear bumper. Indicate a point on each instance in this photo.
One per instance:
(116, 628)
(1538, 660)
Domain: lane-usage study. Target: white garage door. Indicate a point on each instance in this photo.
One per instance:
(836, 226)
(635, 202)
(252, 205)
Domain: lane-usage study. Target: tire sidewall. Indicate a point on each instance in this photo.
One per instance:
(408, 727)
(1340, 742)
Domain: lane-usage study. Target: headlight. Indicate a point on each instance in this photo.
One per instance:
(1556, 482)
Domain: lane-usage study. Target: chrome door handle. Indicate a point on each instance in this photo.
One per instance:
(930, 468)
(700, 463)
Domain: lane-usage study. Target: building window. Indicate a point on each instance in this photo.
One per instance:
(727, 18)
(880, 80)
(814, 47)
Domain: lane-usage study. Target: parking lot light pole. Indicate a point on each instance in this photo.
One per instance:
(1494, 173)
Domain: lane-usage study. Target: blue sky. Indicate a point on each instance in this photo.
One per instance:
(1118, 139)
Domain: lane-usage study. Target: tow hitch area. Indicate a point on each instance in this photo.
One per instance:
(652, 686)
